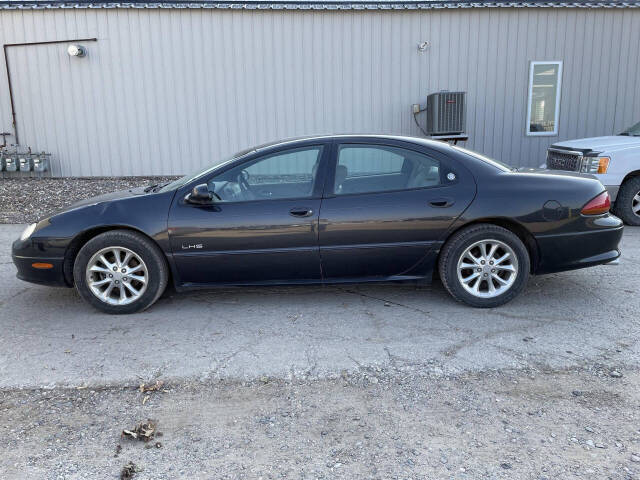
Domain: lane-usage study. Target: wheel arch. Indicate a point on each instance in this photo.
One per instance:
(635, 173)
(83, 237)
(514, 227)
(625, 198)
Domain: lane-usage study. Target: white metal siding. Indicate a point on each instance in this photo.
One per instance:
(166, 91)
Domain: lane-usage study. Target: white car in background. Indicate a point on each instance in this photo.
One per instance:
(614, 160)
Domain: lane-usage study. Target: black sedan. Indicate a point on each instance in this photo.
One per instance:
(327, 209)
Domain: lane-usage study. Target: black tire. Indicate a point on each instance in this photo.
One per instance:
(624, 202)
(147, 250)
(465, 238)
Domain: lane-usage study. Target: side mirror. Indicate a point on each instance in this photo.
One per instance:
(200, 195)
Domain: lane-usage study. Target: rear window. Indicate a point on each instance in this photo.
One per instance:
(500, 165)
(633, 131)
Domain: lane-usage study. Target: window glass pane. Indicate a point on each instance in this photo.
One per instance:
(289, 174)
(633, 131)
(292, 167)
(370, 161)
(544, 94)
(363, 169)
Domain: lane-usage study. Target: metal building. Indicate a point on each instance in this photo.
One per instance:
(165, 88)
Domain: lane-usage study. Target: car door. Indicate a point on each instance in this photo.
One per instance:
(386, 207)
(262, 227)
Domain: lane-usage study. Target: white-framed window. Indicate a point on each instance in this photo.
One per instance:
(543, 104)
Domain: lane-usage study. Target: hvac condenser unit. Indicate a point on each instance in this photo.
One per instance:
(446, 113)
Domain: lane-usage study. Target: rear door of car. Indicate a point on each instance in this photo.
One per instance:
(387, 204)
(269, 237)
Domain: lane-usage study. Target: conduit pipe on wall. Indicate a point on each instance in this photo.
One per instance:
(5, 48)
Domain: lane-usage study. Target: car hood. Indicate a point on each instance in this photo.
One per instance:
(600, 144)
(107, 197)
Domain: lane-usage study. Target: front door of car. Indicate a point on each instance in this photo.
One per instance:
(386, 207)
(262, 225)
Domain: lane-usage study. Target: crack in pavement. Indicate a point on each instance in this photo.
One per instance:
(395, 359)
(537, 323)
(352, 292)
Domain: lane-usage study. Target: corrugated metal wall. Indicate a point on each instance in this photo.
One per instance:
(167, 91)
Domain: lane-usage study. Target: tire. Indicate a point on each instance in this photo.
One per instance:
(512, 271)
(629, 195)
(96, 268)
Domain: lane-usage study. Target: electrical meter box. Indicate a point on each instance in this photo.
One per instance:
(24, 162)
(40, 162)
(11, 163)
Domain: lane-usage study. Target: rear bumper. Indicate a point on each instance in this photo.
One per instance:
(570, 251)
(52, 276)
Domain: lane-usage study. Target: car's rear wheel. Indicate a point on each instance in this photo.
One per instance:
(627, 205)
(120, 272)
(484, 265)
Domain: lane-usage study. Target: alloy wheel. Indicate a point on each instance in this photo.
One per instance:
(117, 275)
(487, 268)
(635, 205)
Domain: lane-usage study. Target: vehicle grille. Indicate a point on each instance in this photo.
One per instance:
(563, 161)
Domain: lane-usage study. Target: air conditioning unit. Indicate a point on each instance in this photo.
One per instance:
(446, 113)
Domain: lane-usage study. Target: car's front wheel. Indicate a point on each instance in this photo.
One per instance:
(627, 205)
(120, 271)
(484, 265)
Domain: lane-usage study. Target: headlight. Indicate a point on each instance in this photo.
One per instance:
(28, 231)
(595, 164)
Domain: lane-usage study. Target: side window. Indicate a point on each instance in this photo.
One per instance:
(379, 168)
(288, 174)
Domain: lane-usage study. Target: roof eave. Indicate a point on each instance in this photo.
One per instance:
(316, 5)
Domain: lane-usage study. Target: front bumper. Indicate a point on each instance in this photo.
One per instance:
(52, 276)
(26, 271)
(570, 251)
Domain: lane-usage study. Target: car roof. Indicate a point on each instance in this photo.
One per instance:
(354, 136)
(472, 160)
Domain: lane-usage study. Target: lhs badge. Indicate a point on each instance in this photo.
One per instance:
(451, 176)
(190, 246)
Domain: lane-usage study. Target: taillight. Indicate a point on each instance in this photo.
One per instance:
(599, 205)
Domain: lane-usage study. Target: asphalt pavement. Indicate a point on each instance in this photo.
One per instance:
(50, 337)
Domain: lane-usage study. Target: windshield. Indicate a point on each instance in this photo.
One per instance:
(632, 131)
(199, 173)
(490, 161)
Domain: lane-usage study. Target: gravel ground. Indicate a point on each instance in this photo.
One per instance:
(373, 424)
(25, 200)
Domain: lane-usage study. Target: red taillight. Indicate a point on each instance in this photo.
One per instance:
(599, 205)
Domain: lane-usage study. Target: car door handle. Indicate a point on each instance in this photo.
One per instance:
(442, 202)
(301, 212)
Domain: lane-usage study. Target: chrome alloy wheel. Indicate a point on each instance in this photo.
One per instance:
(117, 275)
(635, 205)
(487, 268)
